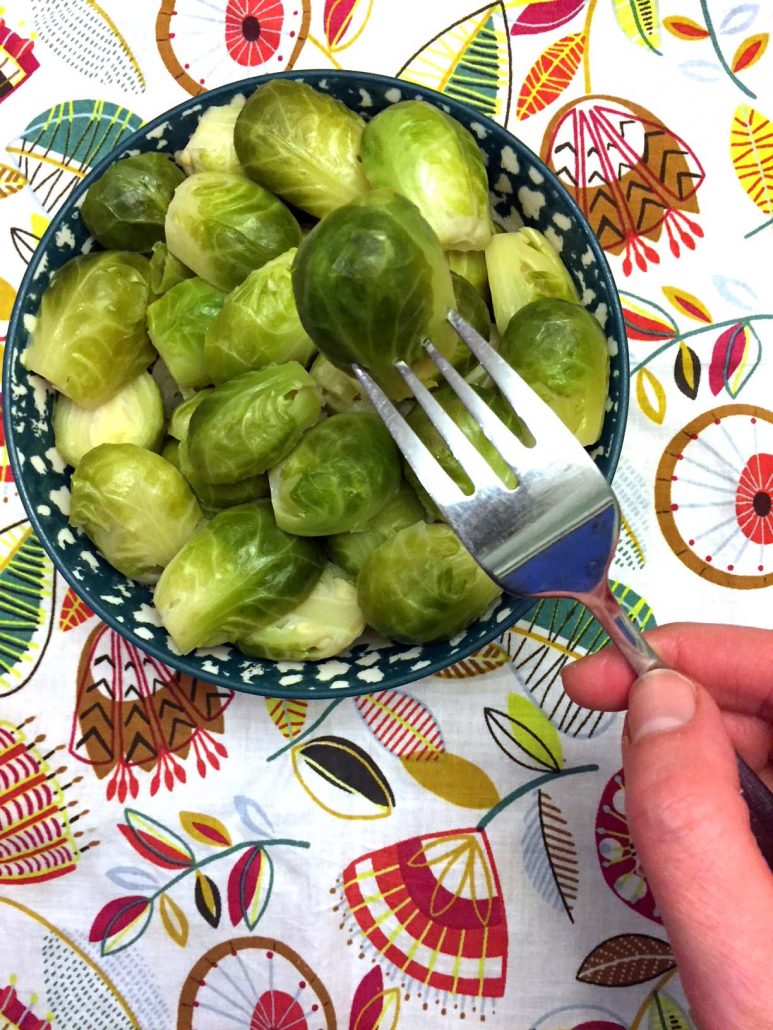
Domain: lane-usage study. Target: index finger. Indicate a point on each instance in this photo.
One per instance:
(734, 663)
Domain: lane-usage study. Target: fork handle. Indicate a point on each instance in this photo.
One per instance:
(628, 639)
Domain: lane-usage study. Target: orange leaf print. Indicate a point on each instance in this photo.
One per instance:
(688, 304)
(74, 612)
(550, 75)
(750, 51)
(685, 28)
(491, 657)
(751, 149)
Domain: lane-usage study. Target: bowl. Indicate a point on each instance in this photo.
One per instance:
(523, 190)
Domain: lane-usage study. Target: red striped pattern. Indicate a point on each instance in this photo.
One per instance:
(402, 724)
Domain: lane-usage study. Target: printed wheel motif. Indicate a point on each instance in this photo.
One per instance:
(714, 496)
(205, 43)
(257, 983)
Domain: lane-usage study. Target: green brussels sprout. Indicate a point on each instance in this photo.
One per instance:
(178, 323)
(422, 585)
(166, 270)
(259, 324)
(322, 626)
(560, 350)
(471, 265)
(237, 572)
(423, 154)
(171, 452)
(181, 416)
(133, 415)
(341, 473)
(211, 147)
(340, 391)
(214, 496)
(524, 266)
(371, 281)
(223, 226)
(350, 550)
(250, 423)
(90, 337)
(302, 145)
(134, 506)
(126, 206)
(472, 308)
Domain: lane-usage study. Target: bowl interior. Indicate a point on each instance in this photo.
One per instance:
(523, 190)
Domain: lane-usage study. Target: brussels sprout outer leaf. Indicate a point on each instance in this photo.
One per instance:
(350, 550)
(214, 496)
(181, 416)
(178, 323)
(211, 146)
(471, 265)
(340, 390)
(472, 308)
(166, 270)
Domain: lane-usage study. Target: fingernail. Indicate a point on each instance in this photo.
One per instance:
(659, 701)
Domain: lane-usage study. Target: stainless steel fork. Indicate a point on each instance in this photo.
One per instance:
(555, 533)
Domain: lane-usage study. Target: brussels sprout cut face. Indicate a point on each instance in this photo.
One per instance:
(211, 147)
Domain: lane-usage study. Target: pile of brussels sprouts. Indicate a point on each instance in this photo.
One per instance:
(246, 476)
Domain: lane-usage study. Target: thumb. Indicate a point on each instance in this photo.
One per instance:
(691, 829)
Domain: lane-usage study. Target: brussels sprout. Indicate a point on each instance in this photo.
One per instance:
(341, 473)
(340, 391)
(214, 496)
(258, 325)
(126, 206)
(323, 625)
(250, 423)
(178, 323)
(471, 265)
(237, 572)
(171, 452)
(524, 266)
(133, 415)
(302, 145)
(90, 337)
(371, 281)
(422, 153)
(135, 507)
(422, 585)
(166, 270)
(472, 308)
(223, 226)
(211, 147)
(561, 351)
(350, 550)
(181, 416)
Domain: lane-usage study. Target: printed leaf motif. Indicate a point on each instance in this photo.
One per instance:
(550, 854)
(402, 724)
(132, 878)
(206, 896)
(739, 19)
(685, 28)
(640, 21)
(526, 735)
(374, 1008)
(663, 1013)
(646, 320)
(751, 149)
(7, 299)
(253, 816)
(454, 779)
(249, 887)
(342, 778)
(734, 359)
(550, 75)
(120, 923)
(486, 660)
(749, 52)
(74, 611)
(687, 371)
(546, 16)
(205, 829)
(174, 920)
(287, 715)
(702, 71)
(650, 395)
(11, 181)
(339, 16)
(688, 304)
(155, 842)
(626, 960)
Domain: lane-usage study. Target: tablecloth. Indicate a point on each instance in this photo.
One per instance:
(172, 854)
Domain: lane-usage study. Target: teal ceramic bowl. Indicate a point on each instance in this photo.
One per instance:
(523, 190)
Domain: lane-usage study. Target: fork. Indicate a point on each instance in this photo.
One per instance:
(555, 532)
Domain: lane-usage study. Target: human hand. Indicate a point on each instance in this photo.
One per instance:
(684, 808)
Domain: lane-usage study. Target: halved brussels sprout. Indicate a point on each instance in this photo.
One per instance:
(471, 265)
(211, 147)
(322, 626)
(90, 337)
(133, 415)
(250, 423)
(223, 226)
(181, 416)
(423, 154)
(134, 506)
(524, 266)
(258, 325)
(237, 572)
(302, 145)
(350, 550)
(214, 496)
(166, 270)
(472, 308)
(178, 323)
(340, 391)
(342, 472)
(371, 281)
(422, 585)
(561, 351)
(126, 206)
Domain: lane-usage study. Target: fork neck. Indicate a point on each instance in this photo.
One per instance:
(622, 631)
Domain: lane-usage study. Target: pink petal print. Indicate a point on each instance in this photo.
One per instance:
(121, 922)
(727, 356)
(545, 16)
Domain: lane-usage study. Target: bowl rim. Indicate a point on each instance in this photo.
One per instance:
(403, 672)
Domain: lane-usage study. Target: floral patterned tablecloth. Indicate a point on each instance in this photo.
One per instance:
(172, 854)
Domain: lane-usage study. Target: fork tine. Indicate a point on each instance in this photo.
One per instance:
(430, 473)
